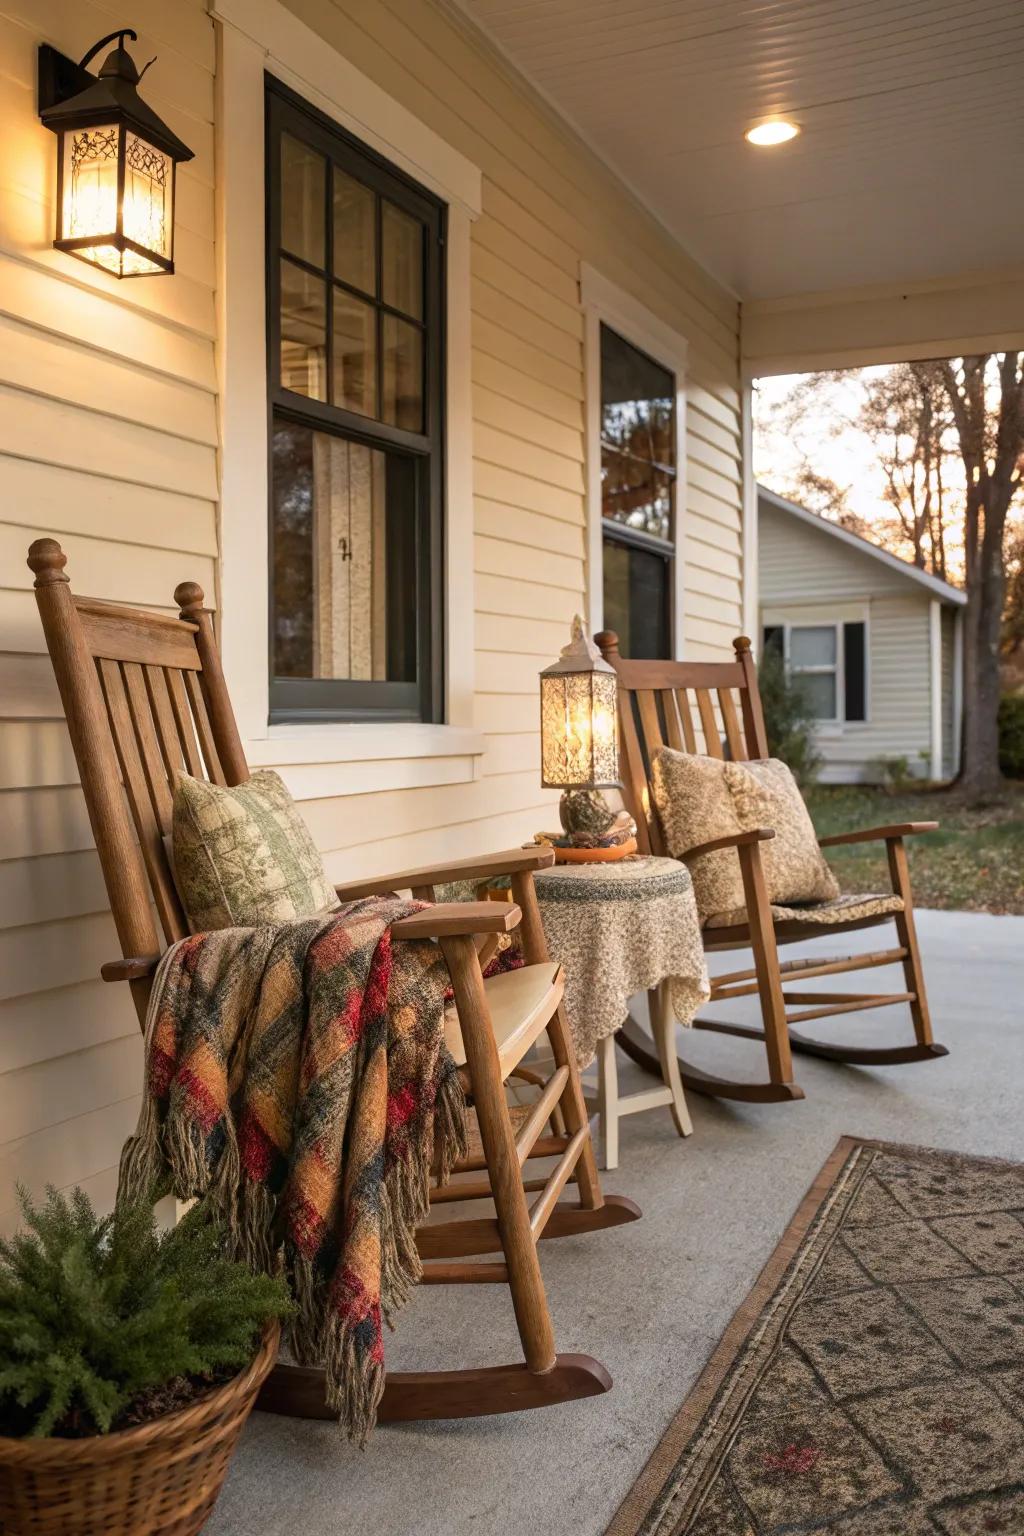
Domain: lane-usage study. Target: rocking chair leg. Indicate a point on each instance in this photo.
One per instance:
(907, 933)
(766, 965)
(524, 1277)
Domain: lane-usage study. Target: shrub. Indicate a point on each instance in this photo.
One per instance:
(788, 717)
(97, 1313)
(1011, 735)
(893, 773)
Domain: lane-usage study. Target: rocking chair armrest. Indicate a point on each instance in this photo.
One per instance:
(486, 867)
(734, 840)
(458, 919)
(133, 968)
(878, 834)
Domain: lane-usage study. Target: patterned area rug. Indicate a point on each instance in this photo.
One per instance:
(872, 1384)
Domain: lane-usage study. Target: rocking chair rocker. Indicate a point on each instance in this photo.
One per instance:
(145, 698)
(655, 711)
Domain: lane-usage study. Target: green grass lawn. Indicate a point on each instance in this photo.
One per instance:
(974, 862)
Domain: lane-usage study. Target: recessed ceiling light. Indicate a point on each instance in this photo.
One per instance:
(777, 131)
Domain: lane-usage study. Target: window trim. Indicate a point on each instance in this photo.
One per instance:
(323, 700)
(605, 303)
(254, 37)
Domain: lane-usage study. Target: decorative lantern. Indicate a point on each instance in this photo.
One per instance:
(579, 734)
(115, 162)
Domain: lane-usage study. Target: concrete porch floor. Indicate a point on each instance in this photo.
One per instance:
(650, 1300)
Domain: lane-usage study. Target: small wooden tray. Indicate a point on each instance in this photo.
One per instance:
(595, 855)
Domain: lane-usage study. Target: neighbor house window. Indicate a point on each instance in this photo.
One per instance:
(638, 494)
(831, 661)
(355, 331)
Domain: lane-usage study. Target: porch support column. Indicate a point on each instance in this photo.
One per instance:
(935, 657)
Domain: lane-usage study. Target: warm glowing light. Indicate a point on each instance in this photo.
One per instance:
(115, 161)
(579, 720)
(775, 131)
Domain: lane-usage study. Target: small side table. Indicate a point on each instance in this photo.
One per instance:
(618, 929)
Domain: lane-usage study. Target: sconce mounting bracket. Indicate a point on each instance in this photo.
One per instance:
(60, 78)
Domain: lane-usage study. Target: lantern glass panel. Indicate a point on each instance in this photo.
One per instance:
(148, 213)
(90, 191)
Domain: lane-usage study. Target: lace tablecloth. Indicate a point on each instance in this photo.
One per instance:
(620, 928)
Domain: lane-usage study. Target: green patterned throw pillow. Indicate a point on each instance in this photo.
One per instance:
(244, 856)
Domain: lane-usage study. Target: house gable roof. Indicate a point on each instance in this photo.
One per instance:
(934, 584)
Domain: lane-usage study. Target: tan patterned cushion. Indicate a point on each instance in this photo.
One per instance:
(701, 798)
(844, 909)
(244, 856)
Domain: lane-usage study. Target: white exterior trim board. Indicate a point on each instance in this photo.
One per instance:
(255, 36)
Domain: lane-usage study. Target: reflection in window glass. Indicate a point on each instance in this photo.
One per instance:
(355, 240)
(302, 200)
(637, 437)
(402, 374)
(303, 332)
(401, 260)
(354, 382)
(638, 474)
(344, 559)
(636, 600)
(634, 492)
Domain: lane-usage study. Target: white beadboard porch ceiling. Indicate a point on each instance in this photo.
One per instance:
(910, 164)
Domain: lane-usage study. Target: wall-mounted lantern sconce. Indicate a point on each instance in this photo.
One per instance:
(115, 162)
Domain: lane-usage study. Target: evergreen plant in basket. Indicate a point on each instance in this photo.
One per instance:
(129, 1361)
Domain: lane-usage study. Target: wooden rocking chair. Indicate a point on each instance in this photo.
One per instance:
(145, 697)
(655, 710)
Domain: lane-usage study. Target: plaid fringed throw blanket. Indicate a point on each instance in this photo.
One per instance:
(297, 1077)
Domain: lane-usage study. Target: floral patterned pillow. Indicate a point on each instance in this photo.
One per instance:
(700, 798)
(244, 856)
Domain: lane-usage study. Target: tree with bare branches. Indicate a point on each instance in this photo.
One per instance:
(986, 397)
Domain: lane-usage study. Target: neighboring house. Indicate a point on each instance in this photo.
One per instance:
(877, 640)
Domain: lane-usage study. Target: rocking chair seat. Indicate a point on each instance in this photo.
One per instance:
(521, 1004)
(820, 914)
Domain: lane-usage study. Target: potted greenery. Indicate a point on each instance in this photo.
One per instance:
(129, 1361)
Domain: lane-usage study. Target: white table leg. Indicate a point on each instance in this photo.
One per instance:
(608, 1101)
(663, 1028)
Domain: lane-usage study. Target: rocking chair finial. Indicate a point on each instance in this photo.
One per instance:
(47, 560)
(189, 597)
(608, 643)
(741, 644)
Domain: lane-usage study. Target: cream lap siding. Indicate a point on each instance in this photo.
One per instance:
(548, 205)
(108, 441)
(795, 560)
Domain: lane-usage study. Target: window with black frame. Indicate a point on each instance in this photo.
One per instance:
(638, 481)
(355, 344)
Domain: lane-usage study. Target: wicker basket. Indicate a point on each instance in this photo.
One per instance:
(161, 1477)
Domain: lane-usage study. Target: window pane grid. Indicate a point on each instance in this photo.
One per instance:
(357, 307)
